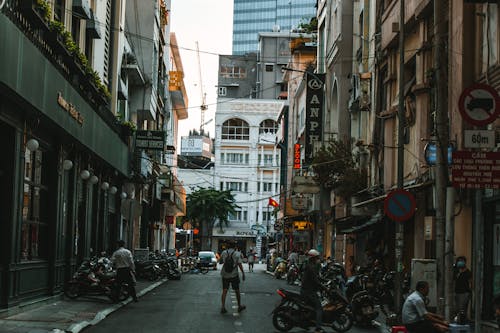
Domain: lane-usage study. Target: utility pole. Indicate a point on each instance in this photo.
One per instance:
(399, 246)
(441, 121)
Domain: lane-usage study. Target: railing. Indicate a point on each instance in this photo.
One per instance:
(35, 24)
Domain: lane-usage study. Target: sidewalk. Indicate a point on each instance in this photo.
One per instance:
(65, 315)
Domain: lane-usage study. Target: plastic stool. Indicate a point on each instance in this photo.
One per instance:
(399, 329)
(455, 328)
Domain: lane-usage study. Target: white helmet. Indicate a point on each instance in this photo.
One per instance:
(313, 253)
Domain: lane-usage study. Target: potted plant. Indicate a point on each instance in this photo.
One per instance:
(36, 10)
(128, 128)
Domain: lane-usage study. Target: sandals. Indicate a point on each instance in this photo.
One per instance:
(223, 310)
(241, 308)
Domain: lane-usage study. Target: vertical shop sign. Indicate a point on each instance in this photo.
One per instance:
(296, 156)
(314, 113)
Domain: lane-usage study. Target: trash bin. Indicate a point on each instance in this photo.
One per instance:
(456, 328)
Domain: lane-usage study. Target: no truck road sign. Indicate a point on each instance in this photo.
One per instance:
(479, 104)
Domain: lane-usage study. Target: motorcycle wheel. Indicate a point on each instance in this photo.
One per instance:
(281, 321)
(343, 322)
(185, 269)
(72, 290)
(204, 270)
(290, 278)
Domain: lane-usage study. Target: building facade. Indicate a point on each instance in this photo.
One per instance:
(250, 18)
(247, 163)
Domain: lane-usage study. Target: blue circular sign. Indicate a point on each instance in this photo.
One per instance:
(400, 205)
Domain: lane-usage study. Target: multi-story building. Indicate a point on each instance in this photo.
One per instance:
(251, 18)
(65, 157)
(69, 110)
(247, 162)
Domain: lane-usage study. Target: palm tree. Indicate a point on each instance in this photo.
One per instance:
(207, 206)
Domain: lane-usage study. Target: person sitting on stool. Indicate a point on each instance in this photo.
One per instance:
(416, 318)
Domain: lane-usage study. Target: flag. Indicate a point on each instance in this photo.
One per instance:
(273, 203)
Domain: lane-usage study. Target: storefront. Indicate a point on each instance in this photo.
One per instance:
(61, 172)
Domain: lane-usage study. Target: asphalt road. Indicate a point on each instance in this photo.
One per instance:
(192, 305)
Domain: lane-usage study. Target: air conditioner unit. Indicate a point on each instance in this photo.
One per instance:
(364, 94)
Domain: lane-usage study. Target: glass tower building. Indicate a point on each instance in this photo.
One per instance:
(253, 16)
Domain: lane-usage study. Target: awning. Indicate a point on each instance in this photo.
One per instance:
(382, 197)
(359, 228)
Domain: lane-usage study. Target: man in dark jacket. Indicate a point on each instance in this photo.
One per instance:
(311, 284)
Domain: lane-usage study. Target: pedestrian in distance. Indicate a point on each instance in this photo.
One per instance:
(231, 260)
(251, 259)
(311, 284)
(125, 268)
(463, 287)
(415, 316)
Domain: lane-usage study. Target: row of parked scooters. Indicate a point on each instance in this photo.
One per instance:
(345, 300)
(97, 276)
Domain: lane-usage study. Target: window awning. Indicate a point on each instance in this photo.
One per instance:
(368, 223)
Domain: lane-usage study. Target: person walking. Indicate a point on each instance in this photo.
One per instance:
(415, 316)
(251, 259)
(311, 284)
(463, 286)
(125, 269)
(231, 260)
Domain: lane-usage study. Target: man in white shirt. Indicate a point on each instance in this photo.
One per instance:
(415, 316)
(125, 268)
(230, 275)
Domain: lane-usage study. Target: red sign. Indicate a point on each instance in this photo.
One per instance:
(296, 156)
(479, 104)
(399, 205)
(476, 170)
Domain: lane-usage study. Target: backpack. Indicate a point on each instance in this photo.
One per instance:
(229, 262)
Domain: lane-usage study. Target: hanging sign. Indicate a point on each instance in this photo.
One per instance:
(296, 156)
(314, 113)
(479, 104)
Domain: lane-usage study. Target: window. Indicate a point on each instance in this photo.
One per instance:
(239, 215)
(233, 72)
(268, 126)
(266, 187)
(269, 67)
(235, 129)
(222, 91)
(268, 159)
(266, 216)
(34, 207)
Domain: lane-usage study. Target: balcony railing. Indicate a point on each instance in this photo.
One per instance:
(32, 17)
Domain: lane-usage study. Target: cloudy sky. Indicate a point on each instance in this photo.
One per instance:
(210, 22)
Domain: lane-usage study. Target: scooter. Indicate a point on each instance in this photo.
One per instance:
(294, 311)
(280, 269)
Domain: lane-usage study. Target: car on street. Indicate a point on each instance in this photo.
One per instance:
(207, 258)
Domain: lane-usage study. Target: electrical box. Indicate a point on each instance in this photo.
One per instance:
(425, 270)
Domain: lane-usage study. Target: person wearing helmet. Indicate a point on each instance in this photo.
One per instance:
(311, 284)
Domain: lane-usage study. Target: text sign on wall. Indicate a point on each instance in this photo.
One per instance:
(476, 170)
(314, 113)
(479, 139)
(145, 139)
(296, 156)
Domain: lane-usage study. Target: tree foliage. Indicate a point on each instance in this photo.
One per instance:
(207, 206)
(335, 169)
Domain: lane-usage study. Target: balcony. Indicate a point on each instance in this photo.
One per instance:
(81, 9)
(94, 27)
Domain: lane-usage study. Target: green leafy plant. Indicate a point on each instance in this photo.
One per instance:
(336, 170)
(44, 7)
(130, 125)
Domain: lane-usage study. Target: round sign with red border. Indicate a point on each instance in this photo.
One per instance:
(479, 104)
(400, 205)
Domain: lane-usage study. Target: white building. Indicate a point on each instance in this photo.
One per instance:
(247, 162)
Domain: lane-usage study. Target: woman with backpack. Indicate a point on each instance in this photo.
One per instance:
(231, 260)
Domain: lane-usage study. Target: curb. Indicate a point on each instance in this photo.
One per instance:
(101, 315)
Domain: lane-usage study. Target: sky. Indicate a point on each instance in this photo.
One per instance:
(210, 22)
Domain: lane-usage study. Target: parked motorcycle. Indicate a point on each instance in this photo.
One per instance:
(358, 291)
(294, 311)
(281, 269)
(147, 269)
(293, 274)
(92, 279)
(173, 272)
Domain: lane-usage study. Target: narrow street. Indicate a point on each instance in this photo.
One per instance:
(193, 303)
